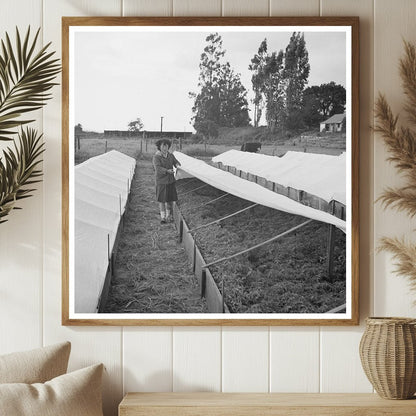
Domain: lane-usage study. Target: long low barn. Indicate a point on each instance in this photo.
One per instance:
(147, 134)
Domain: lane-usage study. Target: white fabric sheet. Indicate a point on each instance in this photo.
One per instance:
(101, 189)
(91, 261)
(319, 175)
(250, 191)
(99, 198)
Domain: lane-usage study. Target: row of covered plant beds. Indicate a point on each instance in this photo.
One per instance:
(289, 275)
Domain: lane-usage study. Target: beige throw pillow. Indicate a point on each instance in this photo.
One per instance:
(35, 366)
(73, 394)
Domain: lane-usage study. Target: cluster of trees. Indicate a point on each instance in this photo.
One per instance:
(222, 98)
(279, 79)
(321, 102)
(279, 82)
(135, 125)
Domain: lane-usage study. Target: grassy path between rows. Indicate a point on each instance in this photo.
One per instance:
(152, 273)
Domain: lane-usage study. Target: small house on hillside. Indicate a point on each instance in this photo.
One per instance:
(336, 123)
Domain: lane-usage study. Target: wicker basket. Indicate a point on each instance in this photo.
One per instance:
(388, 356)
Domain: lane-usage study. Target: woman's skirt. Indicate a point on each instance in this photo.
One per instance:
(166, 193)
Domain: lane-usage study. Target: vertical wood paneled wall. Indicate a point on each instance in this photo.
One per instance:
(238, 359)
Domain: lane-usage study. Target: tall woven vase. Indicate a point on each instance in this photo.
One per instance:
(388, 356)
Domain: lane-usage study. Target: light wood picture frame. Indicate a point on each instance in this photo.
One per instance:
(257, 238)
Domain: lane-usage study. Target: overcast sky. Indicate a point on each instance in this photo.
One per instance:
(119, 76)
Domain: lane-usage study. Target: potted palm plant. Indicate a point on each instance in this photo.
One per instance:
(26, 78)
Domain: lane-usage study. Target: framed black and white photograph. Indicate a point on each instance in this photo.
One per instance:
(210, 171)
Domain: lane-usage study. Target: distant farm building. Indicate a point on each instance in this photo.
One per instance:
(334, 124)
(146, 134)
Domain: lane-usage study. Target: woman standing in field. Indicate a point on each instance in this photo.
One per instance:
(166, 195)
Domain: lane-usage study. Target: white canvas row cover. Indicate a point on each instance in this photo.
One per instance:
(316, 174)
(101, 189)
(250, 191)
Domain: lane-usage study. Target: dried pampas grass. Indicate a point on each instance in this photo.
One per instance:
(405, 255)
(401, 142)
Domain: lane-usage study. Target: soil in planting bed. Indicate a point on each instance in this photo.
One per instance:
(286, 276)
(152, 273)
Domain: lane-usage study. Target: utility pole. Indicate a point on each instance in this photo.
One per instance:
(161, 125)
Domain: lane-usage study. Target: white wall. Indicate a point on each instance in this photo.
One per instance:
(262, 359)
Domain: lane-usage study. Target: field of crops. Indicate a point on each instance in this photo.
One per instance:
(287, 276)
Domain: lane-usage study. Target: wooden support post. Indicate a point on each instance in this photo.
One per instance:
(121, 212)
(141, 146)
(194, 256)
(223, 295)
(203, 282)
(109, 255)
(108, 247)
(181, 230)
(105, 151)
(331, 244)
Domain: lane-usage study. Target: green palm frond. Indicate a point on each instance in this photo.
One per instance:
(19, 170)
(26, 77)
(25, 80)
